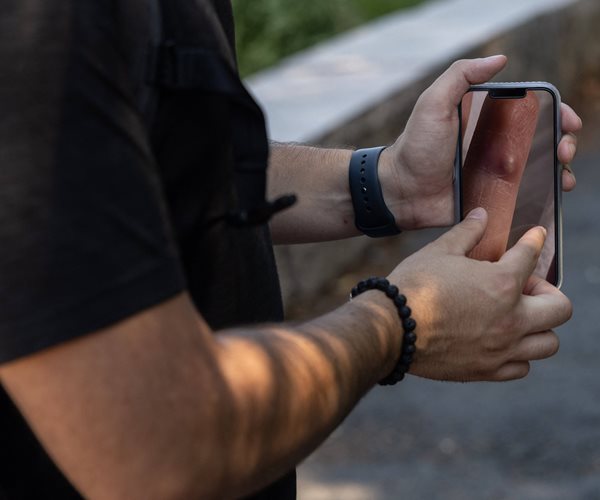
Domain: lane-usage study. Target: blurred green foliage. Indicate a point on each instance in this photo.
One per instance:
(268, 30)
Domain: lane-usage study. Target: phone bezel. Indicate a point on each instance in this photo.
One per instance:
(553, 91)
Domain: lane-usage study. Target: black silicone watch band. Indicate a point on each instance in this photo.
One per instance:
(372, 215)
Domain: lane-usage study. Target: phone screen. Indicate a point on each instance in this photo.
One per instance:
(508, 165)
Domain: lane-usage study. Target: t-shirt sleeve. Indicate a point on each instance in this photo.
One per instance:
(85, 239)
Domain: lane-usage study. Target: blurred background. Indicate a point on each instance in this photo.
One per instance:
(269, 30)
(538, 438)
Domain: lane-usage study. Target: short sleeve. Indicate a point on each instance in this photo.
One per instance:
(85, 238)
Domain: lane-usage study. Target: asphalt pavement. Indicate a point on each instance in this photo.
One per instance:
(533, 439)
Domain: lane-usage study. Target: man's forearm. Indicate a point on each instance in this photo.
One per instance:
(319, 178)
(307, 382)
(166, 410)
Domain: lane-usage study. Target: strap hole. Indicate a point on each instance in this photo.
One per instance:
(363, 189)
(362, 171)
(368, 209)
(364, 156)
(363, 180)
(366, 198)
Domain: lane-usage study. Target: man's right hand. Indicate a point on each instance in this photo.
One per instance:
(480, 320)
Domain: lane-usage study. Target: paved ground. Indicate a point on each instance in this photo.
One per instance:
(528, 440)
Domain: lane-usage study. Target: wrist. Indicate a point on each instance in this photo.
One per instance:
(378, 312)
(395, 184)
(409, 337)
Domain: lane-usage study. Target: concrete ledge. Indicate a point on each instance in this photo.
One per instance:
(359, 89)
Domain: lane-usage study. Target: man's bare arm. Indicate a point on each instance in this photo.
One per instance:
(159, 407)
(319, 177)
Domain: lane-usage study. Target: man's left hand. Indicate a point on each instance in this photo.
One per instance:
(417, 170)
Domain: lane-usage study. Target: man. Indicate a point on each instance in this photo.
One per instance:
(140, 348)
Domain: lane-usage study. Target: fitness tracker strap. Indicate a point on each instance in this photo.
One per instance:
(372, 216)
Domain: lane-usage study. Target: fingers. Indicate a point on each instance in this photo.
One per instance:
(533, 347)
(463, 237)
(447, 91)
(544, 308)
(512, 371)
(538, 286)
(537, 346)
(522, 258)
(569, 181)
(571, 122)
(567, 148)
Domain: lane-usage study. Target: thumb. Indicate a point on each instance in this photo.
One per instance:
(448, 90)
(463, 237)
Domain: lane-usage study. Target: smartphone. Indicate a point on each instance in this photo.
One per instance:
(507, 162)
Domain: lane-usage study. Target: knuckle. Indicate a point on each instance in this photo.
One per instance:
(496, 345)
(506, 286)
(511, 324)
(482, 369)
(459, 65)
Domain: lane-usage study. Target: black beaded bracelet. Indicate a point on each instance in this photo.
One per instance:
(409, 338)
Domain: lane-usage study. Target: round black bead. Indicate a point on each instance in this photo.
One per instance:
(400, 301)
(401, 368)
(406, 359)
(409, 349)
(409, 324)
(410, 337)
(381, 286)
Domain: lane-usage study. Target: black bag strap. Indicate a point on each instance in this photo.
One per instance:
(175, 66)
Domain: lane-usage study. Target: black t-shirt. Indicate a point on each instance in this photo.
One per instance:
(112, 194)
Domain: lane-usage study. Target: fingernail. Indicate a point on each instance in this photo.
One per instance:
(544, 231)
(477, 213)
(573, 149)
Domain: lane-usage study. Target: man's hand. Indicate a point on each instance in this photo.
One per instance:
(416, 172)
(480, 320)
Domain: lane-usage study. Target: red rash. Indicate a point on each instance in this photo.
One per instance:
(494, 165)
